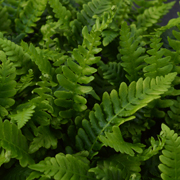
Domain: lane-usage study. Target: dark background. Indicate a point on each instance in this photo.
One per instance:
(172, 13)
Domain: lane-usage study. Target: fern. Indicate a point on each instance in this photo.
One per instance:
(64, 167)
(170, 155)
(8, 84)
(131, 52)
(157, 64)
(118, 167)
(118, 108)
(31, 13)
(75, 74)
(116, 141)
(12, 140)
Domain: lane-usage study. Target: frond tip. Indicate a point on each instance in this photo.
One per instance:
(170, 158)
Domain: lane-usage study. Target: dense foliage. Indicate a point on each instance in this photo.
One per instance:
(89, 89)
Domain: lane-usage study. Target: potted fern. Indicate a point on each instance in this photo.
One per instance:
(89, 90)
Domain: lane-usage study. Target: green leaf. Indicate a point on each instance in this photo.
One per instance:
(116, 141)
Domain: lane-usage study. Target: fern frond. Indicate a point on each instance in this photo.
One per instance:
(157, 64)
(152, 15)
(30, 15)
(64, 167)
(84, 18)
(118, 108)
(170, 161)
(23, 115)
(16, 55)
(131, 51)
(12, 140)
(112, 72)
(5, 156)
(116, 141)
(119, 166)
(7, 84)
(78, 74)
(45, 138)
(173, 116)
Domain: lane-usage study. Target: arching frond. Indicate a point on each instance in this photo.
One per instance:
(117, 108)
(62, 166)
(131, 51)
(12, 140)
(170, 161)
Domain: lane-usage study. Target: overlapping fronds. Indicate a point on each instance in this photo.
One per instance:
(117, 108)
(62, 166)
(78, 74)
(157, 65)
(119, 167)
(131, 51)
(16, 54)
(112, 72)
(7, 84)
(45, 138)
(173, 116)
(116, 141)
(170, 159)
(23, 115)
(31, 13)
(12, 140)
(85, 17)
(152, 15)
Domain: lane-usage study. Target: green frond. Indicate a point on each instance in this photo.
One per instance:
(45, 138)
(5, 156)
(119, 167)
(170, 161)
(173, 115)
(7, 84)
(85, 17)
(38, 57)
(131, 51)
(16, 55)
(30, 14)
(112, 72)
(4, 19)
(76, 75)
(23, 115)
(157, 65)
(60, 11)
(12, 140)
(152, 15)
(116, 141)
(117, 108)
(62, 166)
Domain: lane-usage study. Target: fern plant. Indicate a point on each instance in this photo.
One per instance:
(89, 90)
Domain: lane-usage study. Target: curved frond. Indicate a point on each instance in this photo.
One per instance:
(118, 108)
(76, 75)
(152, 15)
(131, 51)
(7, 84)
(170, 158)
(116, 141)
(16, 55)
(30, 14)
(157, 65)
(12, 140)
(63, 166)
(118, 167)
(23, 115)
(112, 72)
(45, 138)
